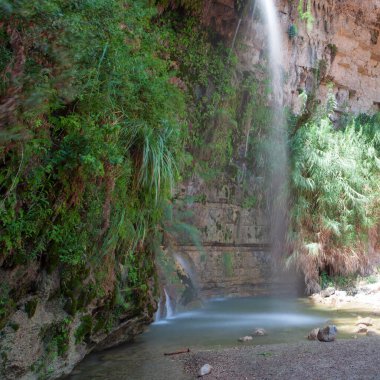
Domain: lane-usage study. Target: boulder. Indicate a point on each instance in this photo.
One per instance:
(246, 338)
(205, 370)
(365, 321)
(313, 334)
(327, 334)
(361, 329)
(260, 332)
(328, 292)
(371, 333)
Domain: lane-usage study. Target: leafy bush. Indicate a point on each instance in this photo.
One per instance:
(92, 130)
(335, 180)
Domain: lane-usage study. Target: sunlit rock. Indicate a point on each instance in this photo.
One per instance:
(327, 334)
(313, 334)
(246, 338)
(205, 370)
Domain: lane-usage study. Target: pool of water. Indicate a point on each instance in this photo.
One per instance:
(218, 324)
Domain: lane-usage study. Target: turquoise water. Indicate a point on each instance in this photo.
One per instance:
(218, 324)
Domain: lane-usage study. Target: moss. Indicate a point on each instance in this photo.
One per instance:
(71, 306)
(321, 70)
(292, 31)
(84, 329)
(7, 305)
(30, 307)
(100, 324)
(62, 336)
(14, 326)
(228, 263)
(333, 51)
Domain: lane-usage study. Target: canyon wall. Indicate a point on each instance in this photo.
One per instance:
(339, 53)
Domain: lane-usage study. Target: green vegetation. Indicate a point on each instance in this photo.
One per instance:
(228, 263)
(31, 307)
(205, 70)
(98, 101)
(91, 143)
(104, 106)
(305, 13)
(335, 182)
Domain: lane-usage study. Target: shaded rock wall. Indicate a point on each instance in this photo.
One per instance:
(43, 339)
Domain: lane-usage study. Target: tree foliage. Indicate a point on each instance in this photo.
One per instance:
(335, 181)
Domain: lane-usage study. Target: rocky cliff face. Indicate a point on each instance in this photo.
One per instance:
(45, 338)
(343, 46)
(341, 54)
(342, 49)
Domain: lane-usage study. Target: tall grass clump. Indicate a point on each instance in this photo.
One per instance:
(335, 183)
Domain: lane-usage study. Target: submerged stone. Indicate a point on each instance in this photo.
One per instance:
(260, 332)
(246, 338)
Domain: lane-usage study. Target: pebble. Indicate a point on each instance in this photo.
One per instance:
(205, 370)
(245, 338)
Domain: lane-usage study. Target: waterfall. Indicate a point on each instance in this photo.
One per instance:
(186, 266)
(168, 305)
(277, 154)
(269, 12)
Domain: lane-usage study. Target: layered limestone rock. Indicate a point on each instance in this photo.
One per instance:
(234, 258)
(342, 45)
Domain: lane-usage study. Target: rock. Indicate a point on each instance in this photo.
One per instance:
(260, 332)
(246, 338)
(365, 321)
(371, 333)
(205, 370)
(341, 293)
(327, 334)
(328, 292)
(313, 334)
(361, 329)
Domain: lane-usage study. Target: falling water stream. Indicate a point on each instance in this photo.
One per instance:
(276, 144)
(168, 305)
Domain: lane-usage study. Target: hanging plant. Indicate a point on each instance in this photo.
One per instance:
(292, 31)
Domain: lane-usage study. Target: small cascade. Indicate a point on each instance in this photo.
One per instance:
(168, 305)
(157, 316)
(187, 268)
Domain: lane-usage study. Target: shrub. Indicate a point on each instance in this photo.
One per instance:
(335, 181)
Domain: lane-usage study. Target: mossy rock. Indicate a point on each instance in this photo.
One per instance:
(30, 307)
